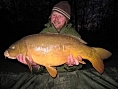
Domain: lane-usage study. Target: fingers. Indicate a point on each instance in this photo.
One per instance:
(36, 66)
(80, 60)
(21, 58)
(31, 61)
(74, 61)
(70, 61)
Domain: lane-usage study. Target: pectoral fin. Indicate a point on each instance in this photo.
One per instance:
(52, 71)
(29, 65)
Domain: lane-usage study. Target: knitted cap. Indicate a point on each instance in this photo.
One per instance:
(63, 7)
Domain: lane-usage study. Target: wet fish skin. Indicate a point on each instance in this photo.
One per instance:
(52, 50)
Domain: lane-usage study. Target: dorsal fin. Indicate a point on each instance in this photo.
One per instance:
(78, 38)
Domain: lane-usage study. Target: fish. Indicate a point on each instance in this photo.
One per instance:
(51, 50)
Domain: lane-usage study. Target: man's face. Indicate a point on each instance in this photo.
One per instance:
(58, 20)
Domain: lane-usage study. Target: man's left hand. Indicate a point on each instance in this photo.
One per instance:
(71, 61)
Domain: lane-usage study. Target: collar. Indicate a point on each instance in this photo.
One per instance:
(69, 25)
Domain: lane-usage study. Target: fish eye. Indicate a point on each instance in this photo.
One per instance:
(12, 47)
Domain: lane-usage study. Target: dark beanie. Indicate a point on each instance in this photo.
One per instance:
(63, 7)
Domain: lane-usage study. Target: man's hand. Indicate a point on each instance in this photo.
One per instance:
(21, 58)
(73, 61)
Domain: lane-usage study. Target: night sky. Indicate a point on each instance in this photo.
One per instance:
(16, 22)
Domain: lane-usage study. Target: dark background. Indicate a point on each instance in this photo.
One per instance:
(95, 20)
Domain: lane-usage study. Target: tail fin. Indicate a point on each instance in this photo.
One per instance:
(97, 59)
(103, 53)
(97, 64)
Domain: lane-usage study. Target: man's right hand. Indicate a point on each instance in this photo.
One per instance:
(21, 58)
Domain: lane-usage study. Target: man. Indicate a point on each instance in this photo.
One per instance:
(76, 79)
(58, 23)
(58, 20)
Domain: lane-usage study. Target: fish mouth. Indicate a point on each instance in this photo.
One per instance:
(6, 54)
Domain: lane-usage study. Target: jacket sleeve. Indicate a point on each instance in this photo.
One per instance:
(44, 30)
(49, 29)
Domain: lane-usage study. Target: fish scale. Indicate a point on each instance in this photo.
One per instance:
(51, 50)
